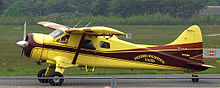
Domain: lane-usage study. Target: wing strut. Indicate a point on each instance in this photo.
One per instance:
(78, 48)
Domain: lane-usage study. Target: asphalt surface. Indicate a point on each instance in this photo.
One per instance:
(132, 37)
(121, 83)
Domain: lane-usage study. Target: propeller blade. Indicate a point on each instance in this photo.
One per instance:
(24, 31)
(22, 52)
(23, 43)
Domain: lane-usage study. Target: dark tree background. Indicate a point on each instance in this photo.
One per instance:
(122, 8)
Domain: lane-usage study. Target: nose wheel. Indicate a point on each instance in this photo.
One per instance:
(195, 79)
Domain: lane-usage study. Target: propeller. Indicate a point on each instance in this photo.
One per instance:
(24, 31)
(23, 43)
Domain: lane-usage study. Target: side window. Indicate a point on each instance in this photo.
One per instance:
(64, 39)
(88, 44)
(104, 45)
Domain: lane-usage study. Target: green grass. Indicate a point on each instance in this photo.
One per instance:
(12, 64)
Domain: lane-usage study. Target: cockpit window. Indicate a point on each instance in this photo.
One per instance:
(104, 45)
(56, 33)
(64, 39)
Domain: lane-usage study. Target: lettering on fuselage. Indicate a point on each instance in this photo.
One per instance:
(186, 55)
(149, 58)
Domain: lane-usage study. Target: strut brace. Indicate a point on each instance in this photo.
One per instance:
(78, 48)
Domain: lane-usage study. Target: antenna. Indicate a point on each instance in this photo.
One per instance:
(77, 24)
(88, 24)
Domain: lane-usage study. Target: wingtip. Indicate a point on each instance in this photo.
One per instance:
(41, 22)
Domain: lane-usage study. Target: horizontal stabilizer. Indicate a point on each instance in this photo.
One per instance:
(199, 66)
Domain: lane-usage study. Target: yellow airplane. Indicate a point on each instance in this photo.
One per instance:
(99, 46)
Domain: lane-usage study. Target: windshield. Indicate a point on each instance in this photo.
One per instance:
(56, 33)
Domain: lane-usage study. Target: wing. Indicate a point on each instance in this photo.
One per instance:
(95, 31)
(52, 25)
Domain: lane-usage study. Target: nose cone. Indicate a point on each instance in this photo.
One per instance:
(22, 43)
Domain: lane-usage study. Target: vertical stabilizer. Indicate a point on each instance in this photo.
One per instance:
(191, 35)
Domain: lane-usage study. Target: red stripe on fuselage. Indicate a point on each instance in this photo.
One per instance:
(180, 46)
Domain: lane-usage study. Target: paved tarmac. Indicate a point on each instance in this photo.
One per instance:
(18, 37)
(121, 83)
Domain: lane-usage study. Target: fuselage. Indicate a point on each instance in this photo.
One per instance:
(111, 52)
(99, 47)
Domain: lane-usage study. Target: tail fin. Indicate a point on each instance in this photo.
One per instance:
(191, 35)
(191, 43)
(191, 40)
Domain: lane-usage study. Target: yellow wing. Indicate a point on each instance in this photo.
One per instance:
(96, 31)
(52, 25)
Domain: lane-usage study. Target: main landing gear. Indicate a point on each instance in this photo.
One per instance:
(41, 73)
(54, 79)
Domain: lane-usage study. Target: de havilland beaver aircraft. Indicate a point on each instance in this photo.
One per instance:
(99, 47)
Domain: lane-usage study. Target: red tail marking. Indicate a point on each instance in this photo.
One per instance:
(211, 53)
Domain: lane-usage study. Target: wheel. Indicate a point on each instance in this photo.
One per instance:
(55, 81)
(195, 79)
(41, 73)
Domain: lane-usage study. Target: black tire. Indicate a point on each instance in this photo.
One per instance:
(195, 79)
(56, 81)
(41, 73)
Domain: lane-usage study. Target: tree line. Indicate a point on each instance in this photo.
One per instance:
(107, 12)
(120, 8)
(156, 19)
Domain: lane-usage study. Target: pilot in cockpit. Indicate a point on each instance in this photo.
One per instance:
(64, 39)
